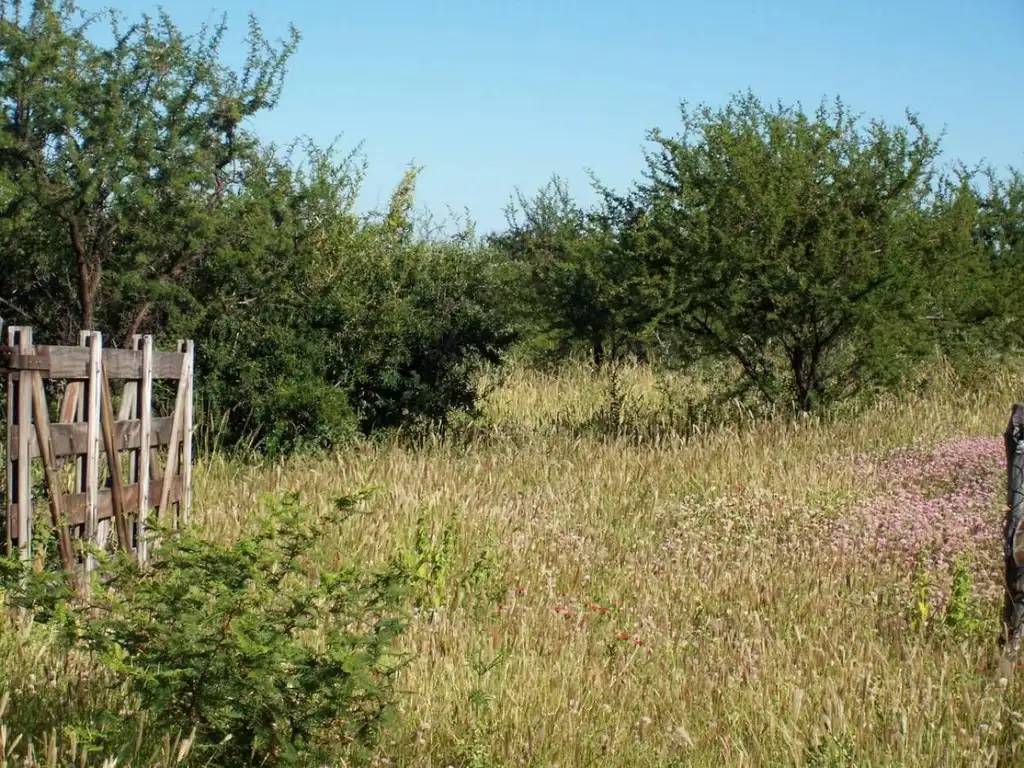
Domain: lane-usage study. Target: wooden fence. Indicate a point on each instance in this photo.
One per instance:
(101, 451)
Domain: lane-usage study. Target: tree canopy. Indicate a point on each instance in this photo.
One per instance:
(824, 254)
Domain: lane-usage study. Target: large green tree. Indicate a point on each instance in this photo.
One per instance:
(115, 159)
(786, 241)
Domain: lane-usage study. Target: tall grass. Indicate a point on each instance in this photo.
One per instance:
(679, 593)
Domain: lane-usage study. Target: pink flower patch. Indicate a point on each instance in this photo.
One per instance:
(937, 502)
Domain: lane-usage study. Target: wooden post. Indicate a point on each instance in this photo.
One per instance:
(173, 445)
(188, 347)
(1013, 540)
(145, 410)
(20, 490)
(11, 454)
(113, 463)
(94, 340)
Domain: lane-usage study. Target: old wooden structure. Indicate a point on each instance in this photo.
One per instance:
(105, 475)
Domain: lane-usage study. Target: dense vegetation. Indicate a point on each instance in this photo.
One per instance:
(771, 261)
(824, 255)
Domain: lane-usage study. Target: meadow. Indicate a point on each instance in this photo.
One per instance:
(821, 592)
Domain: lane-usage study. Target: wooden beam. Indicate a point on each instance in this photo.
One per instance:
(22, 336)
(113, 463)
(11, 454)
(42, 419)
(76, 504)
(171, 468)
(188, 349)
(144, 470)
(94, 533)
(73, 363)
(72, 439)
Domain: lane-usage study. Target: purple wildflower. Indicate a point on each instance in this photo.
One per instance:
(937, 502)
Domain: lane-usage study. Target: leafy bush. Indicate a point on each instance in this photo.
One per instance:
(267, 655)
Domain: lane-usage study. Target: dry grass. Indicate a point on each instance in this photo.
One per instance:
(656, 600)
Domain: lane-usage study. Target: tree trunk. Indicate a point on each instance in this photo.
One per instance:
(597, 341)
(802, 383)
(88, 279)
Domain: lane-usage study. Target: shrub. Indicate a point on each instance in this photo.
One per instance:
(268, 656)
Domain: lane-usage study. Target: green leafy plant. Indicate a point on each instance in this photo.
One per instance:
(962, 613)
(271, 657)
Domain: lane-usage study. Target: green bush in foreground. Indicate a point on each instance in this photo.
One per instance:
(265, 655)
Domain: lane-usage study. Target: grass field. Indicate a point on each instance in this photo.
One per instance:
(744, 595)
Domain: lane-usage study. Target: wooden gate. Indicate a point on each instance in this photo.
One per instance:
(103, 474)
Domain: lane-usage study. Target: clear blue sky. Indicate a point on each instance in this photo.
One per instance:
(489, 96)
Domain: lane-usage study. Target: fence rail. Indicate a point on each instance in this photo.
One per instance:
(144, 459)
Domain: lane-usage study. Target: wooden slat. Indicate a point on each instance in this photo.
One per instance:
(113, 452)
(188, 348)
(171, 468)
(94, 532)
(23, 470)
(10, 456)
(73, 363)
(72, 439)
(143, 467)
(76, 504)
(42, 419)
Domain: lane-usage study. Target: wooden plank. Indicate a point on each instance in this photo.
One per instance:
(171, 468)
(42, 419)
(144, 469)
(113, 462)
(10, 455)
(69, 405)
(74, 362)
(188, 349)
(76, 504)
(23, 339)
(94, 339)
(72, 439)
(126, 409)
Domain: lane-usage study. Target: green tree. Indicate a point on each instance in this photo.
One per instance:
(115, 159)
(785, 242)
(578, 283)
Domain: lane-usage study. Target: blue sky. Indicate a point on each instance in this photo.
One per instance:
(490, 96)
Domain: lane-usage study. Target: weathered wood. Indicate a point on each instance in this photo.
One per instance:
(74, 363)
(69, 406)
(143, 466)
(113, 463)
(10, 455)
(22, 337)
(171, 468)
(1013, 540)
(72, 439)
(127, 407)
(93, 532)
(188, 349)
(76, 504)
(42, 420)
(86, 416)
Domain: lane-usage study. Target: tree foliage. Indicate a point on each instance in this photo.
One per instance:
(578, 281)
(136, 199)
(785, 241)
